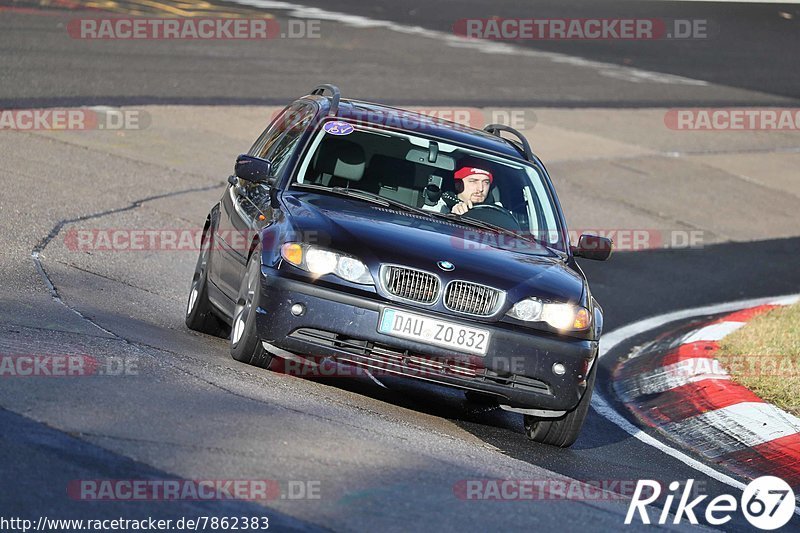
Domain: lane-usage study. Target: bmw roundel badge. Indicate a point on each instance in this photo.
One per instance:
(447, 266)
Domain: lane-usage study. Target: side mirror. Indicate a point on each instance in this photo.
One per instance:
(254, 169)
(593, 247)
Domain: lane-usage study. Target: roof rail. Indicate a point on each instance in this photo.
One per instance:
(336, 94)
(495, 129)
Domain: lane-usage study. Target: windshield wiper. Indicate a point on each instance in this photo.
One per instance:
(497, 229)
(401, 205)
(368, 196)
(352, 193)
(387, 202)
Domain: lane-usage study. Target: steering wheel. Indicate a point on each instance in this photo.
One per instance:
(494, 214)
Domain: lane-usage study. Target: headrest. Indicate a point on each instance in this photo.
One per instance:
(342, 159)
(390, 170)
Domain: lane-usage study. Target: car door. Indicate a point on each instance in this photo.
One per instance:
(224, 253)
(246, 206)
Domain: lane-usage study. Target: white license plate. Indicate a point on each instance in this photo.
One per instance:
(433, 331)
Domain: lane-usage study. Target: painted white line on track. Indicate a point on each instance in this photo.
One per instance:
(754, 423)
(609, 70)
(742, 1)
(712, 332)
(618, 336)
(674, 375)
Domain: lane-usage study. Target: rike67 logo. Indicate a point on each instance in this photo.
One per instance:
(767, 503)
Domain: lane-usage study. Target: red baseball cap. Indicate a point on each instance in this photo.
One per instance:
(464, 172)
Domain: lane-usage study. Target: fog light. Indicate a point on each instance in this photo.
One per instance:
(298, 309)
(559, 369)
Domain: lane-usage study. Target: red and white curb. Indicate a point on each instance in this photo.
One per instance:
(677, 386)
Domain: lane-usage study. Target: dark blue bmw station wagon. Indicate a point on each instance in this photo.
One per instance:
(385, 239)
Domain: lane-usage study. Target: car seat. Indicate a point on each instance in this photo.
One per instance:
(338, 163)
(394, 178)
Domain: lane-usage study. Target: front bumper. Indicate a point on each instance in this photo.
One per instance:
(518, 367)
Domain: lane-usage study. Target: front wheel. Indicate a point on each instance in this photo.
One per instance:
(245, 344)
(564, 431)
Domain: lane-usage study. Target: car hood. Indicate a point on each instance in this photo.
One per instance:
(379, 235)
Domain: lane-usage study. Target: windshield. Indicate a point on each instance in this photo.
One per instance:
(439, 178)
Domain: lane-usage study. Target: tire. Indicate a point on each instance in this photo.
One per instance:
(564, 431)
(199, 314)
(245, 345)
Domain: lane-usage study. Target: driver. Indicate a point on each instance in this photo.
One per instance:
(472, 187)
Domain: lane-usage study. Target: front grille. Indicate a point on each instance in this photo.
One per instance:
(466, 297)
(387, 359)
(409, 284)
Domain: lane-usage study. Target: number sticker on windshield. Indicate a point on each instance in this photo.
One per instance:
(337, 127)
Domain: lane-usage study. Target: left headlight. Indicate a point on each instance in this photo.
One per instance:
(562, 316)
(320, 261)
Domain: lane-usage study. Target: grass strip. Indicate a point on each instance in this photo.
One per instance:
(764, 356)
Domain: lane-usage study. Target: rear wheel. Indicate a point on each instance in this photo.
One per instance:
(562, 431)
(245, 344)
(199, 314)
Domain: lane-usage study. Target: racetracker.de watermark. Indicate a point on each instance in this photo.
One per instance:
(733, 119)
(582, 29)
(191, 239)
(417, 118)
(175, 239)
(204, 29)
(741, 366)
(624, 239)
(193, 489)
(74, 119)
(310, 366)
(50, 366)
(547, 489)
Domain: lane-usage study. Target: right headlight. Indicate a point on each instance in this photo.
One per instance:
(562, 316)
(320, 261)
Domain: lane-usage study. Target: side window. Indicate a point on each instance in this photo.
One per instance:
(269, 135)
(281, 151)
(278, 127)
(276, 144)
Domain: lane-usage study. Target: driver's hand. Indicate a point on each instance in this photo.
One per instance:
(462, 207)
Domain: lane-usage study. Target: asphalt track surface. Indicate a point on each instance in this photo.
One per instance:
(386, 458)
(747, 45)
(748, 62)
